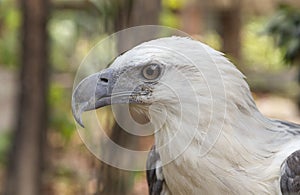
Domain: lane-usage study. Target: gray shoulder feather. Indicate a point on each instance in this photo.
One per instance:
(155, 177)
(290, 175)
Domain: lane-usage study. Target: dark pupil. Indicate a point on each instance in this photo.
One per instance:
(149, 71)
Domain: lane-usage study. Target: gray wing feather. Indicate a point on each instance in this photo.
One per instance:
(291, 128)
(155, 178)
(290, 175)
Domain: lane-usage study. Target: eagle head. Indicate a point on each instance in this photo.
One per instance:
(174, 80)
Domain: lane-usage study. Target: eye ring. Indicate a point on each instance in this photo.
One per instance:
(151, 71)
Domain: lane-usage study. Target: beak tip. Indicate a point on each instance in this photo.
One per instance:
(80, 123)
(77, 114)
(82, 97)
(77, 117)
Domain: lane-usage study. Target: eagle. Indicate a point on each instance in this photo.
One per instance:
(209, 136)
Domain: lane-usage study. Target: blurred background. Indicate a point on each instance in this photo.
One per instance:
(43, 42)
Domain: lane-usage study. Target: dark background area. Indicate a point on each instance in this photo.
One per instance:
(43, 42)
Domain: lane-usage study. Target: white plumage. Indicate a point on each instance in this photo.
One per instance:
(211, 138)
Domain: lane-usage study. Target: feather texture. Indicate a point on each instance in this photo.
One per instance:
(211, 138)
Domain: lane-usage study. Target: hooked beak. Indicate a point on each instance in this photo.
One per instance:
(93, 92)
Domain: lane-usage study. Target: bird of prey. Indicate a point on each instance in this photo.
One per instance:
(210, 138)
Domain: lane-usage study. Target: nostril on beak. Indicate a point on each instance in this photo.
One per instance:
(104, 80)
(105, 76)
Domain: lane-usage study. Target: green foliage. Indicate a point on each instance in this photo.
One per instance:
(258, 50)
(213, 39)
(63, 35)
(169, 16)
(5, 143)
(60, 115)
(284, 27)
(173, 4)
(9, 25)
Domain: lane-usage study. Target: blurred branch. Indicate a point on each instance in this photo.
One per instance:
(76, 5)
(127, 13)
(283, 82)
(26, 160)
(230, 31)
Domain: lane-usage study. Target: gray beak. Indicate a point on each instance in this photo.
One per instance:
(92, 92)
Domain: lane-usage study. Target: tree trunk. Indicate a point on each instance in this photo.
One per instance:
(130, 13)
(24, 174)
(112, 180)
(230, 23)
(192, 18)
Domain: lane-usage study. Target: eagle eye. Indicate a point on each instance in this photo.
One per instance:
(151, 71)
